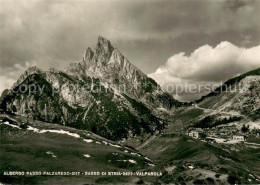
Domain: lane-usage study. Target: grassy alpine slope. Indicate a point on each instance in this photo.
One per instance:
(40, 146)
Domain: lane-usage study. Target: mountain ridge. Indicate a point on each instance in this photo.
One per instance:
(230, 82)
(240, 94)
(87, 96)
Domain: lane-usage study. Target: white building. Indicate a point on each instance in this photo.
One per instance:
(238, 138)
(193, 134)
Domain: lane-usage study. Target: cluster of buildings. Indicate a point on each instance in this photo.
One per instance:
(211, 135)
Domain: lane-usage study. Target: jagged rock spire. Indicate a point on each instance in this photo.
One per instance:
(104, 43)
(104, 50)
(88, 54)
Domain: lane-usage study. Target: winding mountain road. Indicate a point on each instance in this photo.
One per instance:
(219, 112)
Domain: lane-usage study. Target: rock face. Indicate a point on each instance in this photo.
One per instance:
(103, 93)
(240, 95)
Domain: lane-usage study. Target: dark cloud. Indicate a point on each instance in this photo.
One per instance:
(236, 4)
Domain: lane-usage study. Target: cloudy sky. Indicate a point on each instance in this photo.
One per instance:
(174, 41)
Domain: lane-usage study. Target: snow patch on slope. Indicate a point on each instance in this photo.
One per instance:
(51, 153)
(88, 140)
(11, 125)
(87, 155)
(53, 131)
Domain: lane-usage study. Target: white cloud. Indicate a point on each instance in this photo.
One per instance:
(206, 65)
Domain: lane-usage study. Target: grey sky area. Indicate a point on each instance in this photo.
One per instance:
(165, 39)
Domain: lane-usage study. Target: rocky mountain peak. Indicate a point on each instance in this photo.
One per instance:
(104, 42)
(102, 92)
(110, 66)
(28, 72)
